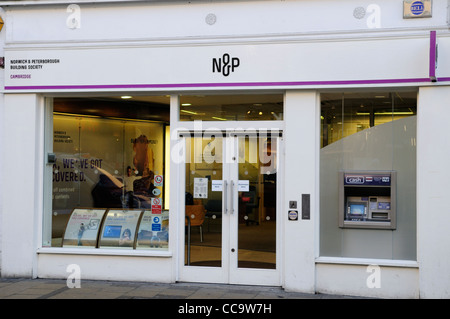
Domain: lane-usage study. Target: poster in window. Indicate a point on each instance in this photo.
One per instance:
(153, 231)
(95, 177)
(83, 227)
(200, 187)
(119, 228)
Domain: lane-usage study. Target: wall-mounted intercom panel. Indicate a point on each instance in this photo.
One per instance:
(367, 200)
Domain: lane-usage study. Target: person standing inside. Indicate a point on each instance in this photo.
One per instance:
(128, 186)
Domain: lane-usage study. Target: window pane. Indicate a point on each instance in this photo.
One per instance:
(203, 204)
(261, 107)
(344, 114)
(257, 204)
(109, 175)
(368, 131)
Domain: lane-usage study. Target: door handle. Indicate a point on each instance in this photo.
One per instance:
(225, 197)
(231, 196)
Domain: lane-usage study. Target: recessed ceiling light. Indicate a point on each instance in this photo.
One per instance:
(126, 97)
(189, 112)
(186, 104)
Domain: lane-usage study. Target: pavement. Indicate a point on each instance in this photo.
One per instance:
(21, 288)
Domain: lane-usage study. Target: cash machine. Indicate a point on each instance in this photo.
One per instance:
(367, 199)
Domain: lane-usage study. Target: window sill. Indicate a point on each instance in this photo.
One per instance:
(104, 252)
(367, 262)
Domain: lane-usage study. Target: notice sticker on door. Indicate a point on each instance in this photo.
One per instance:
(200, 187)
(216, 185)
(243, 185)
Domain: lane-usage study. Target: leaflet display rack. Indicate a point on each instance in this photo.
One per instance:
(117, 228)
(83, 227)
(367, 199)
(153, 231)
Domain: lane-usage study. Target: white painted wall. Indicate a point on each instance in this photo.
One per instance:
(22, 179)
(106, 267)
(433, 212)
(351, 280)
(160, 20)
(301, 177)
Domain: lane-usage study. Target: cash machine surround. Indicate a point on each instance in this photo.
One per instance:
(367, 200)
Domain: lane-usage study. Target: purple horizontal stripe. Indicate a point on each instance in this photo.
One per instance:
(205, 85)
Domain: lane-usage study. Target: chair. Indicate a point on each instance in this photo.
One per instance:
(196, 216)
(251, 202)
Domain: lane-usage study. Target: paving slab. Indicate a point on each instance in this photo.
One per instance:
(91, 289)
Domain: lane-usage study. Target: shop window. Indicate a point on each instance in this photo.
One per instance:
(368, 175)
(109, 178)
(251, 107)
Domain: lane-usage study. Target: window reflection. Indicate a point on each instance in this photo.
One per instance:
(368, 132)
(109, 156)
(344, 114)
(261, 107)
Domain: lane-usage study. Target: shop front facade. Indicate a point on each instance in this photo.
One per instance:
(284, 143)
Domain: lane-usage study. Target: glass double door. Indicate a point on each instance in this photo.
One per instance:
(231, 209)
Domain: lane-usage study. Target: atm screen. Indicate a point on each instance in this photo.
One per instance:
(357, 209)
